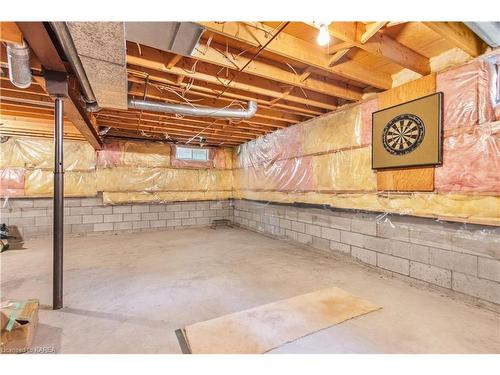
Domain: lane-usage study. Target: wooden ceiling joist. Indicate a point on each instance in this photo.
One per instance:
(459, 35)
(299, 50)
(10, 33)
(209, 73)
(217, 55)
(278, 65)
(267, 118)
(369, 39)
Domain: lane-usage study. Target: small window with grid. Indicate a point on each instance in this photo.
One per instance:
(196, 154)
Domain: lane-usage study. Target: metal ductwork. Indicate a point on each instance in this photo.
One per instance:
(489, 32)
(18, 59)
(180, 38)
(62, 32)
(186, 110)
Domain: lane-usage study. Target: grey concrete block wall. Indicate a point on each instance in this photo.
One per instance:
(33, 216)
(463, 258)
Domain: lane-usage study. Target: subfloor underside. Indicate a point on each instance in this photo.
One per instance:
(129, 293)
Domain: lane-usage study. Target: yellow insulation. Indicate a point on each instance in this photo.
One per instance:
(164, 196)
(40, 183)
(39, 153)
(334, 131)
(447, 206)
(228, 156)
(331, 173)
(146, 154)
(162, 179)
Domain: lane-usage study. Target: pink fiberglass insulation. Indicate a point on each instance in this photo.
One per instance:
(467, 94)
(219, 161)
(470, 162)
(111, 155)
(11, 182)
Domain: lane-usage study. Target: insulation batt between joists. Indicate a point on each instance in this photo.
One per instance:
(122, 179)
(39, 154)
(335, 131)
(468, 94)
(331, 173)
(11, 182)
(471, 161)
(40, 183)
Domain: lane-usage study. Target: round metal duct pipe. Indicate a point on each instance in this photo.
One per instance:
(186, 110)
(18, 59)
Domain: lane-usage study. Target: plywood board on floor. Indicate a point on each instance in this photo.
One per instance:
(266, 327)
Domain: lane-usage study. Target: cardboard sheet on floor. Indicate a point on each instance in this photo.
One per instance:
(266, 327)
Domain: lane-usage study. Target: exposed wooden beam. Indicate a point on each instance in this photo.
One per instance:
(370, 40)
(383, 45)
(216, 54)
(238, 128)
(40, 42)
(333, 49)
(172, 128)
(395, 23)
(10, 33)
(212, 90)
(288, 46)
(264, 116)
(174, 60)
(338, 55)
(370, 30)
(255, 85)
(459, 35)
(28, 125)
(124, 134)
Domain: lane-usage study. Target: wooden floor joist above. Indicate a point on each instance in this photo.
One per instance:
(277, 64)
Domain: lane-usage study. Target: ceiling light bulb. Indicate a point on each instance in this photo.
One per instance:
(323, 36)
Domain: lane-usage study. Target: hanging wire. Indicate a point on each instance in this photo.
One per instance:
(279, 30)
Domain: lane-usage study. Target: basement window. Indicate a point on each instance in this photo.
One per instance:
(186, 153)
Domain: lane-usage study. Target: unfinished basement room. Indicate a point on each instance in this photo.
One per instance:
(249, 187)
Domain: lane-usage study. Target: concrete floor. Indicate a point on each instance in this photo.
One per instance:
(129, 293)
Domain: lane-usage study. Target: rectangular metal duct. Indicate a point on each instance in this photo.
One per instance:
(102, 51)
(178, 37)
(489, 32)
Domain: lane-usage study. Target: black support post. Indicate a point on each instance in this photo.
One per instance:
(58, 230)
(56, 84)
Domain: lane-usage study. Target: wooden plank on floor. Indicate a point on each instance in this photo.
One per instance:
(266, 327)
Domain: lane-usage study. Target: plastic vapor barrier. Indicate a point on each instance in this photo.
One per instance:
(327, 160)
(125, 171)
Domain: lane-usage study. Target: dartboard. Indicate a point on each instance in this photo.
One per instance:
(403, 134)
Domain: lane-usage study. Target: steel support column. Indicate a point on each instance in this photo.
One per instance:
(56, 84)
(58, 232)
